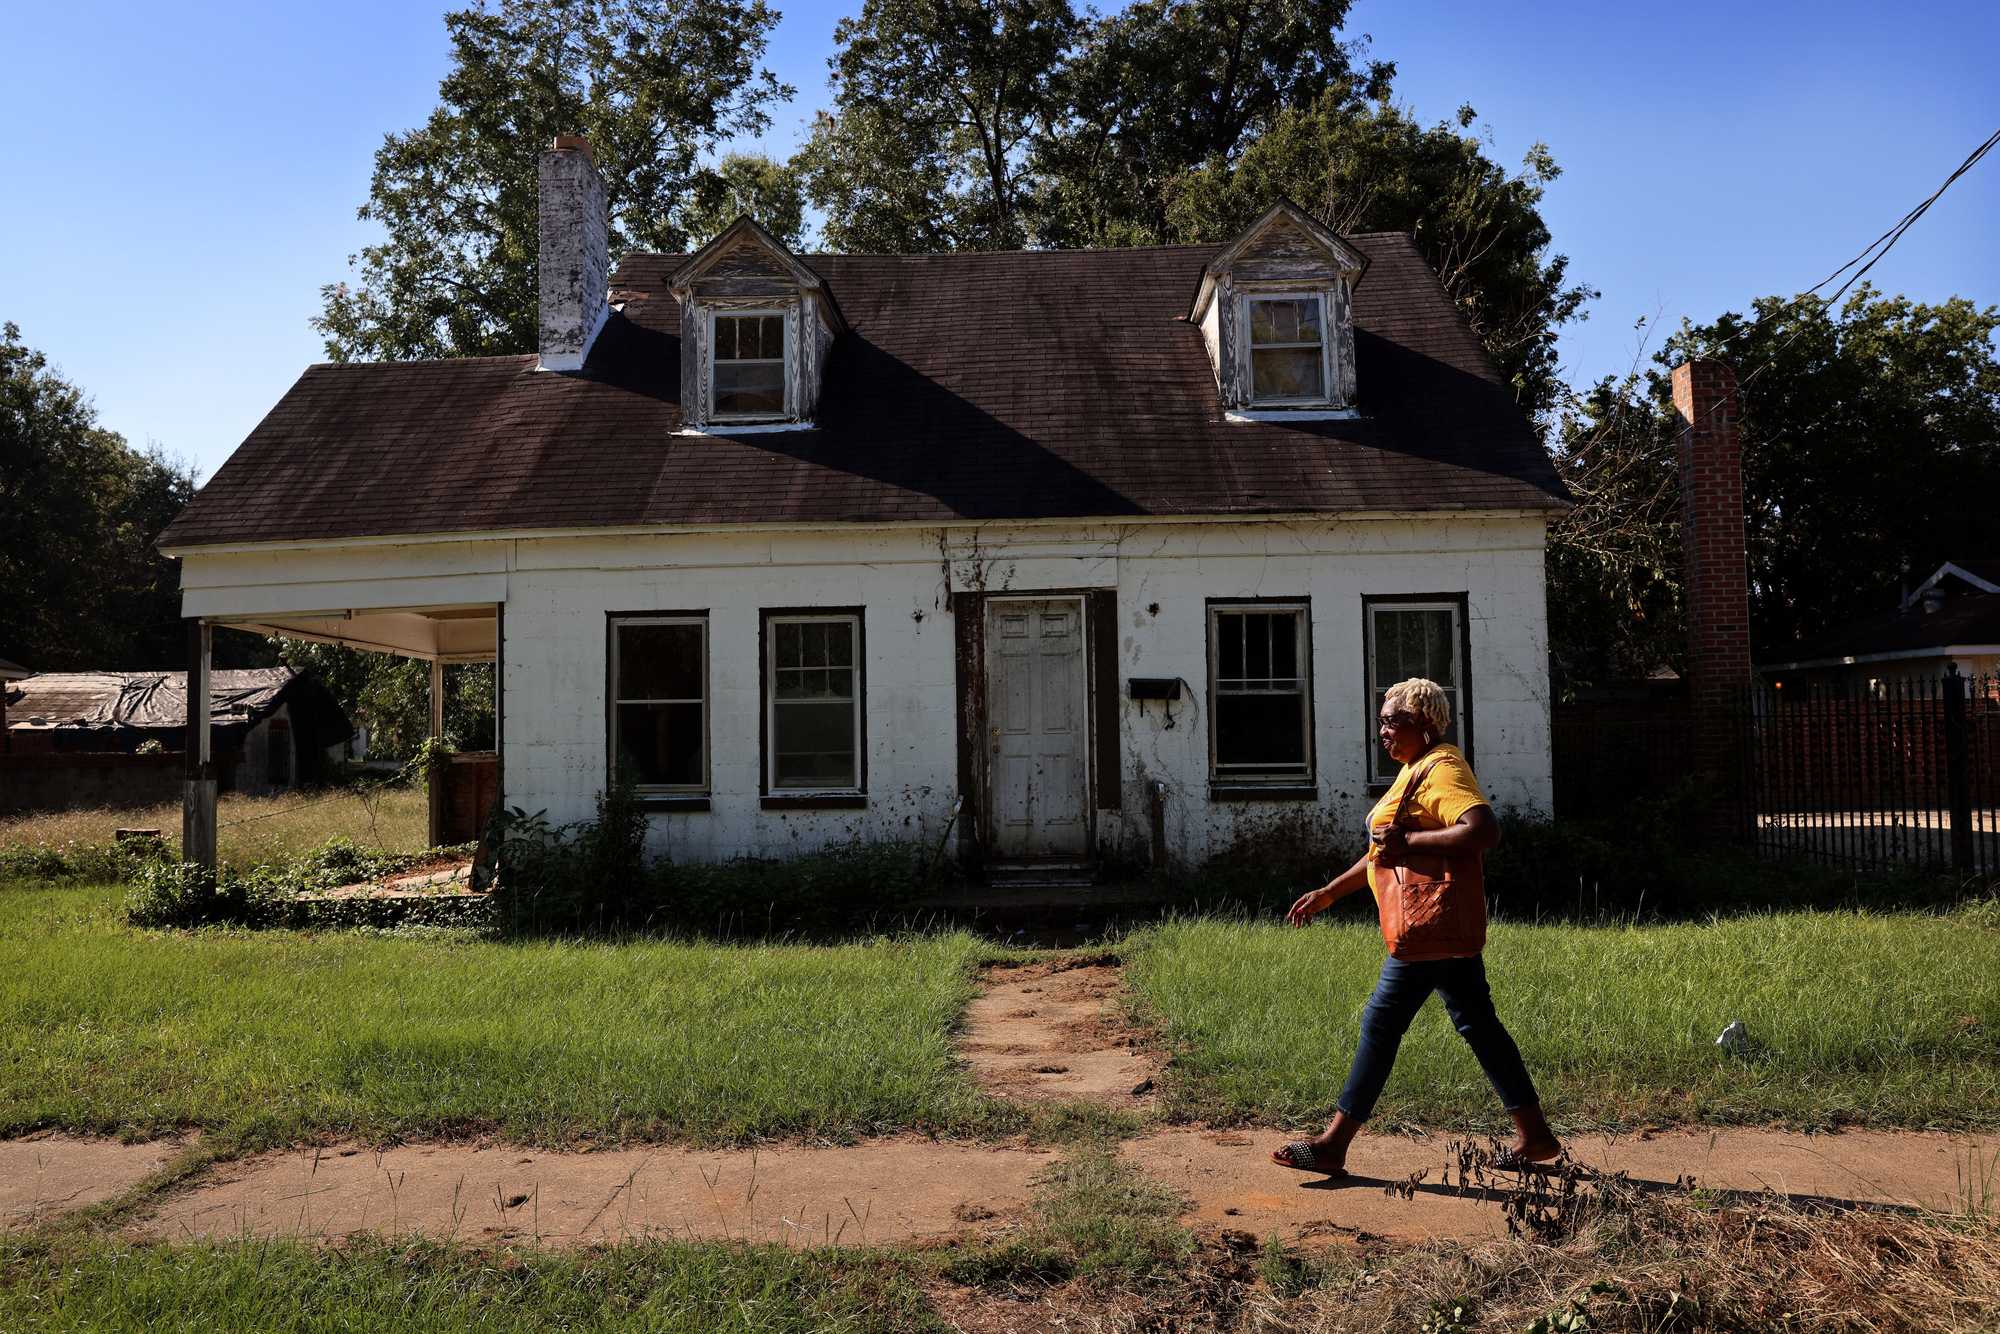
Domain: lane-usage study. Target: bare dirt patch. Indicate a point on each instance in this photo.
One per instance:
(44, 1176)
(1056, 1032)
(884, 1192)
(1233, 1185)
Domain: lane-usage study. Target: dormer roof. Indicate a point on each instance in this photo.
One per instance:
(1315, 248)
(745, 249)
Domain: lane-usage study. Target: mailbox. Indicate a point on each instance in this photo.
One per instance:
(1154, 687)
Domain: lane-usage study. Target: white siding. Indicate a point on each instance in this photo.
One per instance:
(559, 592)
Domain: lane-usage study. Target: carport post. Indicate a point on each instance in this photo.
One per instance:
(435, 769)
(198, 795)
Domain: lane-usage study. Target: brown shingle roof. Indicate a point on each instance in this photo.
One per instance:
(987, 386)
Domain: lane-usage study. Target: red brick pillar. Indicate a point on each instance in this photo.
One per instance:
(1715, 585)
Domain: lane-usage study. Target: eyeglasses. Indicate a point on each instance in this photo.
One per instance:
(1400, 718)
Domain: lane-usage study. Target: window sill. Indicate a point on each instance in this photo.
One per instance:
(1299, 414)
(816, 801)
(745, 428)
(674, 802)
(1263, 792)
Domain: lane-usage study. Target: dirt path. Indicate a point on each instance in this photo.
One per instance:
(1230, 1183)
(891, 1191)
(880, 1193)
(1055, 1032)
(42, 1176)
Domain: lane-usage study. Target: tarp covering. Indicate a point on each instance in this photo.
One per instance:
(150, 701)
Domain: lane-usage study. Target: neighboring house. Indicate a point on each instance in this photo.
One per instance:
(274, 728)
(1950, 622)
(9, 673)
(1077, 553)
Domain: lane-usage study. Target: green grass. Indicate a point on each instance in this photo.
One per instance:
(279, 1035)
(287, 1286)
(250, 831)
(1857, 1019)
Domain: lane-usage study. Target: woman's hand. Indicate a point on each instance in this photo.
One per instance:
(1310, 904)
(1392, 846)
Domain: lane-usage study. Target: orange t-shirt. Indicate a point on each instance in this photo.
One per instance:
(1448, 791)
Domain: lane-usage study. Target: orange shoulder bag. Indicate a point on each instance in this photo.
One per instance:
(1432, 907)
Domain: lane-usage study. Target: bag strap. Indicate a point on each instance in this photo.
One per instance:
(1409, 792)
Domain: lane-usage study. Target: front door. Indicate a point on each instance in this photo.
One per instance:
(1036, 728)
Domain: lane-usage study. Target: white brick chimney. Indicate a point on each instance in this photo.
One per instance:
(575, 253)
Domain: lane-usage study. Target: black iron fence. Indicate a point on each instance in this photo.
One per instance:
(1874, 774)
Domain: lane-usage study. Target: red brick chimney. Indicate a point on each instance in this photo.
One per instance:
(1715, 582)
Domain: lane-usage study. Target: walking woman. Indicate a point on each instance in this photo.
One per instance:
(1426, 838)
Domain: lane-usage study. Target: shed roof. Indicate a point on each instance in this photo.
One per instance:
(1024, 385)
(149, 700)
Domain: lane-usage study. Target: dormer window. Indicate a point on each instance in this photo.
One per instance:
(1276, 312)
(1287, 350)
(757, 327)
(748, 365)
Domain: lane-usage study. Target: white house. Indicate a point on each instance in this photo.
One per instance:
(1054, 554)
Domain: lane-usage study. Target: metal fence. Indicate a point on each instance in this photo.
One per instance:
(1875, 774)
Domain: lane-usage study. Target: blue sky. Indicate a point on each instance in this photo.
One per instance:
(184, 178)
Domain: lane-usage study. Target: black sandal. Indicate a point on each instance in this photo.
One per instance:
(1303, 1156)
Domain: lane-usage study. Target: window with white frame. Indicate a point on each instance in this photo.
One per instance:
(1260, 692)
(1287, 349)
(1409, 638)
(659, 701)
(747, 365)
(812, 691)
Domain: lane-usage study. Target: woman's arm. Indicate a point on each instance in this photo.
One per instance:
(1476, 832)
(1316, 901)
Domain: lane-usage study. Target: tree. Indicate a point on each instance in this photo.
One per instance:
(936, 103)
(79, 512)
(771, 192)
(1871, 452)
(653, 84)
(1167, 86)
(1374, 168)
(391, 696)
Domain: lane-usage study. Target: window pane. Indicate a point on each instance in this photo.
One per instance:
(1285, 645)
(813, 744)
(743, 388)
(773, 335)
(786, 647)
(1283, 321)
(1440, 652)
(725, 339)
(1260, 732)
(659, 662)
(1291, 372)
(661, 743)
(1229, 647)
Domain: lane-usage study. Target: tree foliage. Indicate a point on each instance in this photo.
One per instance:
(391, 696)
(937, 104)
(771, 192)
(81, 586)
(653, 84)
(1165, 87)
(1871, 453)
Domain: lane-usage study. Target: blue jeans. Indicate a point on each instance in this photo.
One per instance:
(1399, 995)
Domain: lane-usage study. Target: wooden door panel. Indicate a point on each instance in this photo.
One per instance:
(1036, 729)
